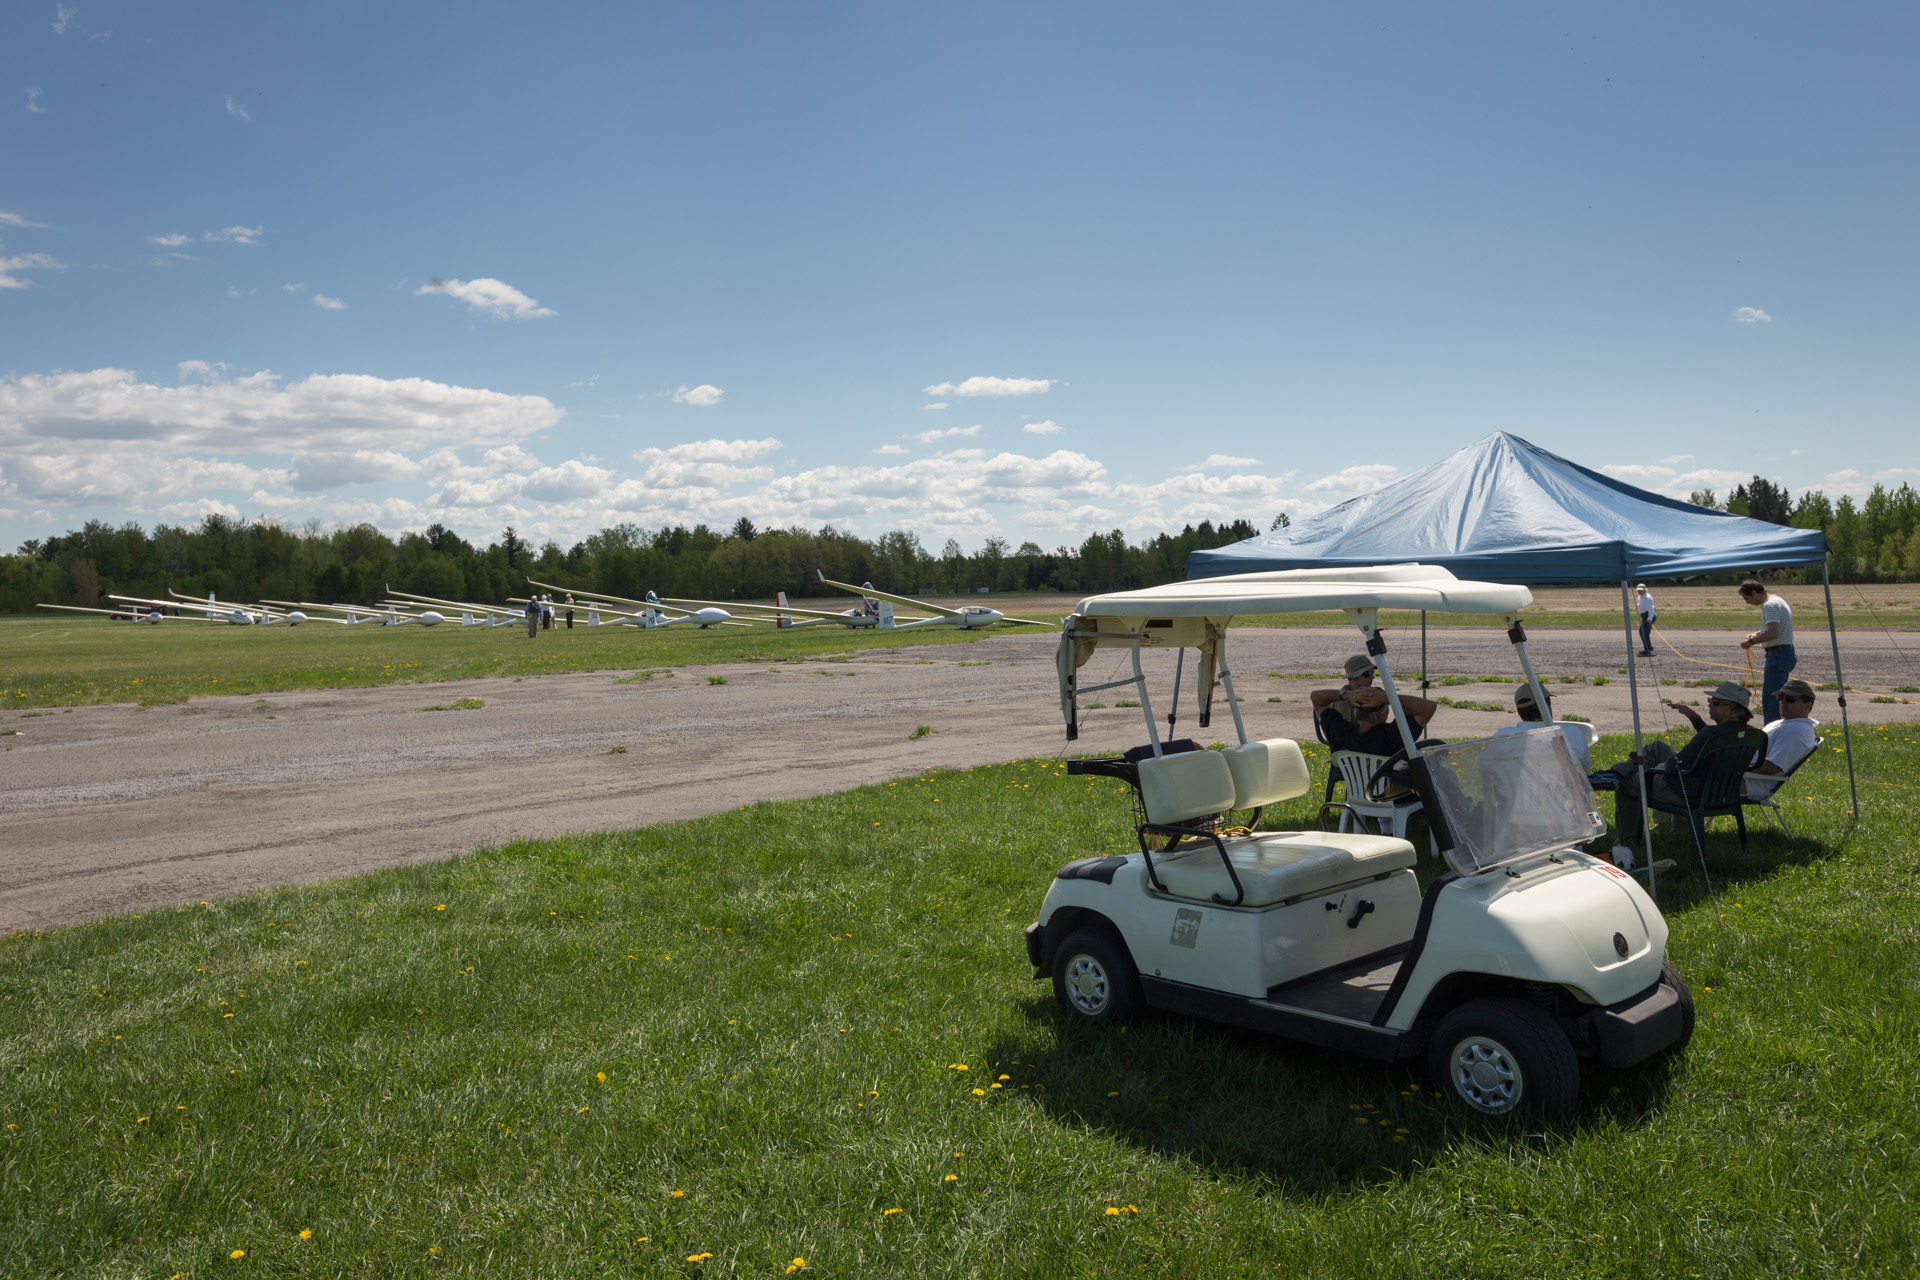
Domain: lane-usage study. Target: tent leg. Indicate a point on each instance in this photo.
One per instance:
(1633, 691)
(1839, 678)
(1424, 685)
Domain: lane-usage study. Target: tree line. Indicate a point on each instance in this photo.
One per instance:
(1877, 540)
(244, 560)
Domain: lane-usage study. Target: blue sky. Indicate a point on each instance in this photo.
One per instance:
(560, 267)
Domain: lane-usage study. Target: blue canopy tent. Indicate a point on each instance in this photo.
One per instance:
(1505, 510)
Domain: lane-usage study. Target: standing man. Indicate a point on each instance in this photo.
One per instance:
(569, 610)
(1644, 603)
(533, 617)
(1775, 637)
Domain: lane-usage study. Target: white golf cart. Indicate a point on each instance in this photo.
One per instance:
(1526, 957)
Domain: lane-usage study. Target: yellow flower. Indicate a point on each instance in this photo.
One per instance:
(979, 1093)
(141, 1120)
(698, 1257)
(888, 1213)
(441, 907)
(1114, 1094)
(601, 1076)
(678, 1194)
(433, 1249)
(956, 1066)
(995, 1085)
(800, 1264)
(237, 1254)
(306, 1233)
(582, 1111)
(953, 1177)
(1112, 1212)
(1006, 1077)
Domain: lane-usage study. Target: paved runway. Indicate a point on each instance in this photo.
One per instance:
(112, 808)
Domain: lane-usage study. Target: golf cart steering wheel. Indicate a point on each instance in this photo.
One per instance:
(1382, 779)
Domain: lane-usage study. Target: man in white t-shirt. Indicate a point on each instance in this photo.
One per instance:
(1775, 637)
(1643, 602)
(1790, 739)
(1578, 740)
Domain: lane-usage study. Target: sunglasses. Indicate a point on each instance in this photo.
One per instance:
(1790, 697)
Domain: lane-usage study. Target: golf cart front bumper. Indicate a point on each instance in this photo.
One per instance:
(1036, 943)
(1630, 1032)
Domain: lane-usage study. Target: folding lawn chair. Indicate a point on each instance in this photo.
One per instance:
(1774, 782)
(1715, 787)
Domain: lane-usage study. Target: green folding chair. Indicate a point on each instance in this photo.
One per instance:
(1716, 785)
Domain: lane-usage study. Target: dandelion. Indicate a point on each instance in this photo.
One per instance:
(433, 1249)
(678, 1194)
(1112, 1212)
(306, 1233)
(698, 1257)
(952, 1177)
(441, 907)
(798, 1264)
(956, 1066)
(1114, 1094)
(601, 1076)
(979, 1093)
(238, 1254)
(888, 1213)
(873, 1093)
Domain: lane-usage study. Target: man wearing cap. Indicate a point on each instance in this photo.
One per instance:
(1729, 707)
(1644, 603)
(1790, 739)
(1775, 637)
(1574, 732)
(1358, 717)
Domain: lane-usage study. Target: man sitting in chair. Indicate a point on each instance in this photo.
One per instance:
(1358, 717)
(1729, 707)
(1575, 733)
(1790, 739)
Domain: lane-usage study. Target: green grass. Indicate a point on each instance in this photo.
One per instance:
(67, 662)
(779, 999)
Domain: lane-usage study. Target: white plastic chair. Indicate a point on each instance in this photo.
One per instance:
(1356, 768)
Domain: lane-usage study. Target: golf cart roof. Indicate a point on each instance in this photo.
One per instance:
(1398, 586)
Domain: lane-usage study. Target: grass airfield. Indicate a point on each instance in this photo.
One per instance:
(722, 1046)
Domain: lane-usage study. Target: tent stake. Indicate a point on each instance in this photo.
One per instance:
(1633, 691)
(1839, 678)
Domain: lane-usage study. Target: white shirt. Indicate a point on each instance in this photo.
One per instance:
(1646, 605)
(1777, 610)
(1576, 734)
(1789, 741)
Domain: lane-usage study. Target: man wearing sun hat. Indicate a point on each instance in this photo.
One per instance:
(1729, 708)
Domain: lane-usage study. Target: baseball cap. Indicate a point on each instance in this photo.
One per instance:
(1523, 697)
(1359, 665)
(1798, 689)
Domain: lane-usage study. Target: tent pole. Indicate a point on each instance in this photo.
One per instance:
(1424, 686)
(1839, 678)
(1633, 691)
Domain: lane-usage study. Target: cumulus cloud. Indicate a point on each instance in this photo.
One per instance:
(235, 235)
(1047, 428)
(235, 109)
(1357, 479)
(1751, 315)
(10, 263)
(705, 465)
(700, 397)
(986, 386)
(1672, 482)
(938, 404)
(948, 433)
(293, 288)
(8, 218)
(33, 102)
(891, 448)
(172, 240)
(1216, 461)
(329, 304)
(489, 297)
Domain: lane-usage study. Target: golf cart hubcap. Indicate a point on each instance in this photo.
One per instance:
(1087, 984)
(1485, 1074)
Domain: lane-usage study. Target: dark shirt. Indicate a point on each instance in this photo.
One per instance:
(1689, 755)
(1379, 739)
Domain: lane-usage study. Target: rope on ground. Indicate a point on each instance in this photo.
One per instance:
(1702, 662)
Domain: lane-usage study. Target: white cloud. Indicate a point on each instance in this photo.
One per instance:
(928, 437)
(239, 293)
(8, 218)
(1751, 315)
(938, 404)
(1674, 459)
(490, 297)
(61, 16)
(701, 397)
(329, 304)
(586, 383)
(985, 386)
(235, 109)
(172, 241)
(1047, 428)
(235, 235)
(1357, 479)
(10, 263)
(1216, 461)
(33, 102)
(891, 448)
(293, 288)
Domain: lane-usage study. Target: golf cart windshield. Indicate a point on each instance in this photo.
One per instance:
(1511, 795)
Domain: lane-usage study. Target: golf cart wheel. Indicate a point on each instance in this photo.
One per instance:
(1094, 979)
(1499, 1057)
(1670, 976)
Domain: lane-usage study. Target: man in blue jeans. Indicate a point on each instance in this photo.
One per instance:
(1775, 637)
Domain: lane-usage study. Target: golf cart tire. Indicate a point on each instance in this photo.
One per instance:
(1670, 976)
(1094, 978)
(1498, 1056)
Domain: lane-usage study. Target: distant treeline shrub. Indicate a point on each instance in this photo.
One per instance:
(255, 560)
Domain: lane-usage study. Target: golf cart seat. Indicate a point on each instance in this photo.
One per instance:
(1277, 866)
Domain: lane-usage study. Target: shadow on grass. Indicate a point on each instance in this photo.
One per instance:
(1297, 1118)
(1768, 854)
